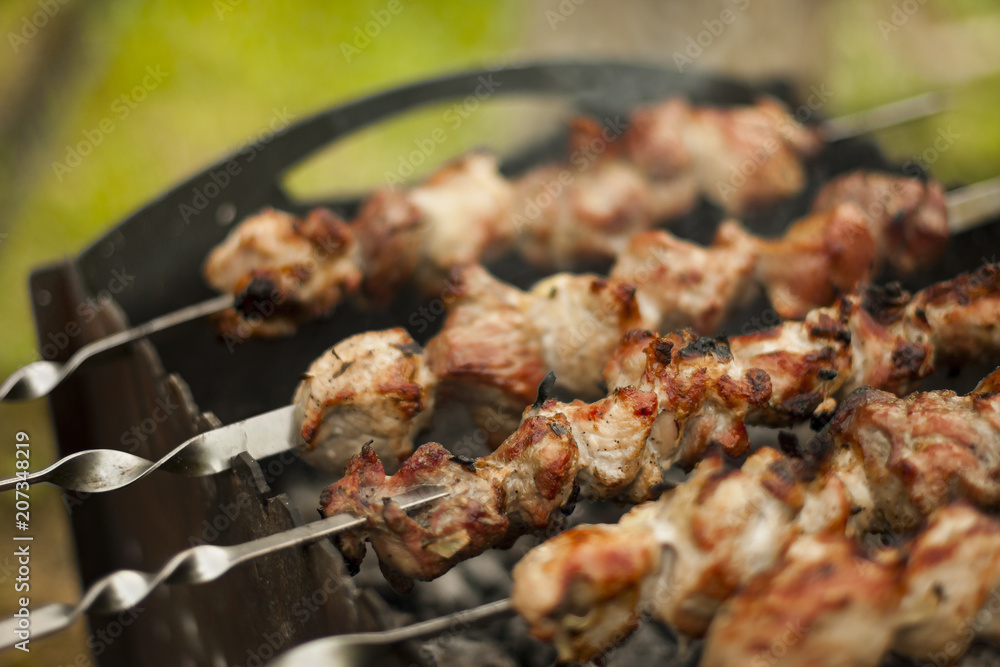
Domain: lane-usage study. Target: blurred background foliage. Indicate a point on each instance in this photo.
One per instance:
(231, 66)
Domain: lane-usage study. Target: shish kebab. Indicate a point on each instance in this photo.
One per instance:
(777, 539)
(671, 400)
(285, 270)
(766, 557)
(827, 603)
(397, 237)
(497, 342)
(880, 337)
(302, 268)
(452, 218)
(467, 212)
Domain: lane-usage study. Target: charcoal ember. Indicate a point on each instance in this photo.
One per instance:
(460, 650)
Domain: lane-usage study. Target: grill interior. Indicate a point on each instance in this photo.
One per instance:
(191, 377)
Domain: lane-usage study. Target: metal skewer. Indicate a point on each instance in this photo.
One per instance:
(973, 204)
(371, 648)
(125, 589)
(39, 378)
(98, 470)
(894, 113)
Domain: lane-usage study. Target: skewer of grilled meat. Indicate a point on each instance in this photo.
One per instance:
(497, 342)
(284, 270)
(671, 400)
(774, 538)
(926, 601)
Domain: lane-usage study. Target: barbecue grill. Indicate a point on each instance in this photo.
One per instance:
(184, 381)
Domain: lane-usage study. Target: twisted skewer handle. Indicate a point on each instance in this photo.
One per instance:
(125, 589)
(99, 470)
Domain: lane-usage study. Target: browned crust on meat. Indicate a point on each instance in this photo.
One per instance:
(325, 229)
(907, 216)
(388, 228)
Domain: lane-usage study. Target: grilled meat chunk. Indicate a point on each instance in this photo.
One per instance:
(906, 216)
(741, 545)
(347, 398)
(741, 157)
(282, 270)
(619, 182)
(923, 601)
(707, 389)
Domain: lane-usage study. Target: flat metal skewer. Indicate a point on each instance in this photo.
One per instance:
(98, 470)
(893, 113)
(39, 378)
(972, 205)
(124, 589)
(371, 648)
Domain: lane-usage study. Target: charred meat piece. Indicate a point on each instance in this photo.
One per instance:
(772, 545)
(674, 399)
(620, 180)
(283, 270)
(906, 216)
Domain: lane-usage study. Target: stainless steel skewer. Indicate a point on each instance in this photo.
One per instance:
(98, 470)
(39, 378)
(124, 589)
(371, 648)
(973, 204)
(893, 113)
